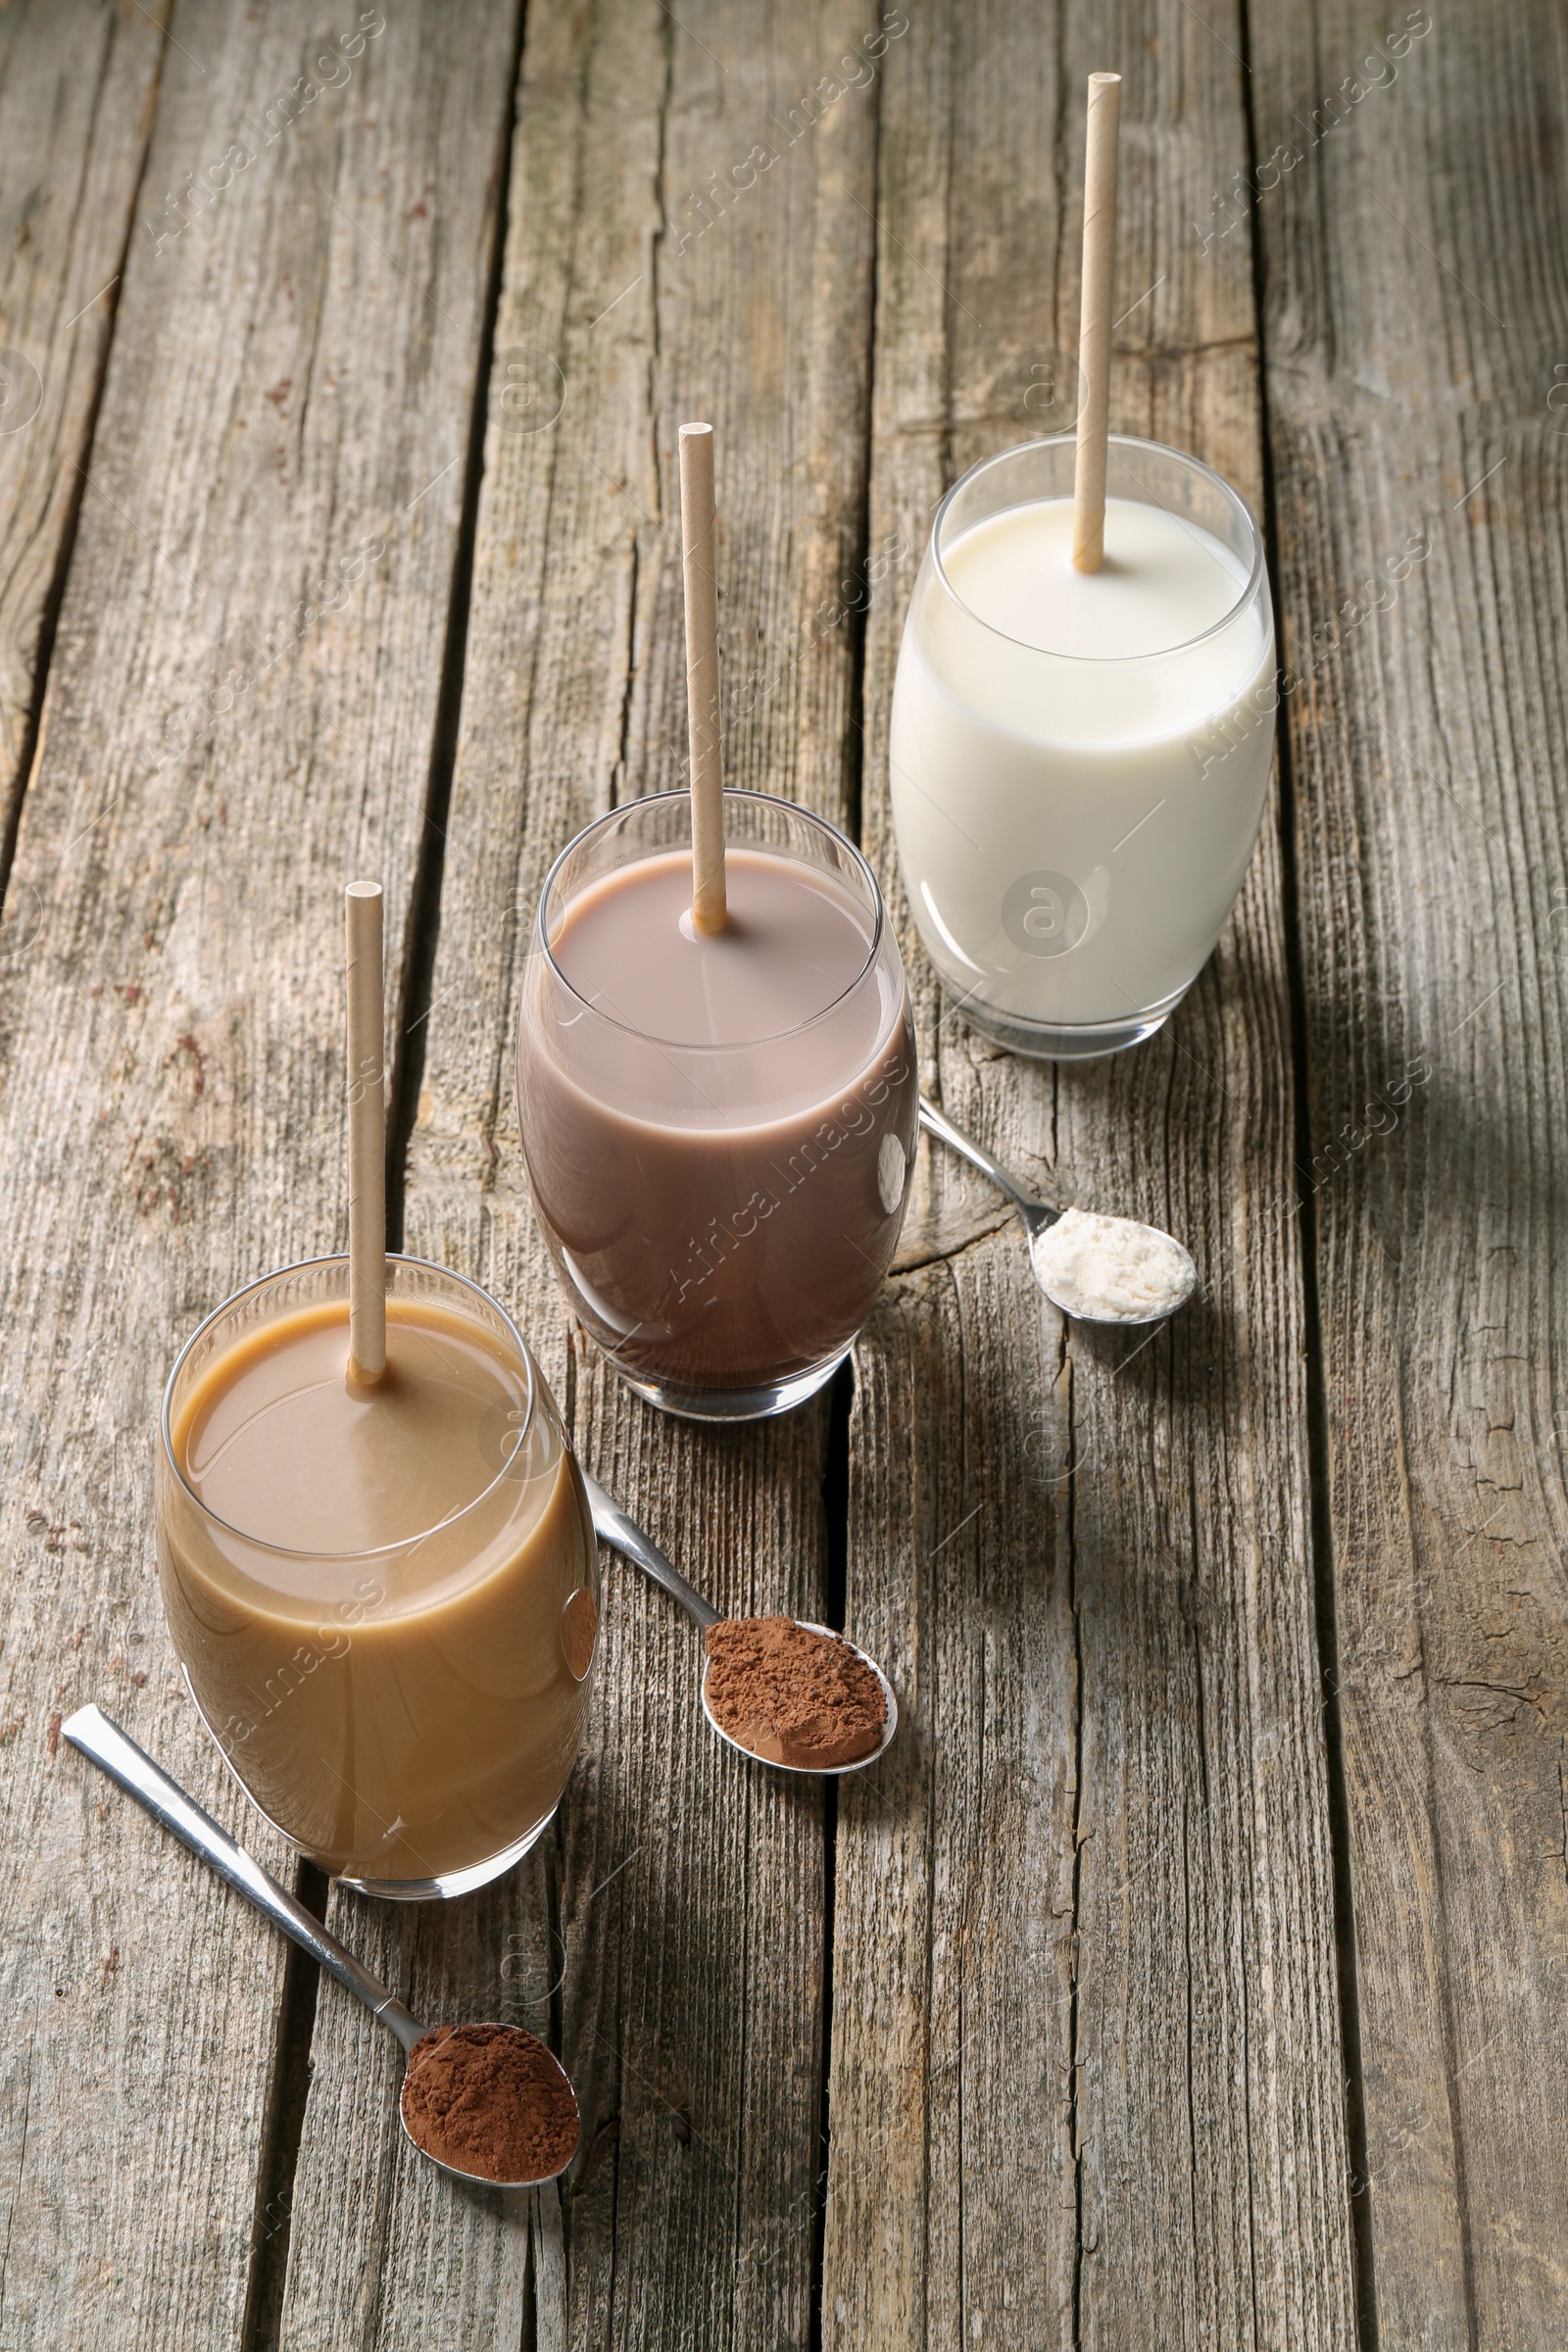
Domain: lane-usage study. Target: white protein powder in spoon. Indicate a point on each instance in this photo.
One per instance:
(1111, 1269)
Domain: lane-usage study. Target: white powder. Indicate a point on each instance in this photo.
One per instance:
(1111, 1269)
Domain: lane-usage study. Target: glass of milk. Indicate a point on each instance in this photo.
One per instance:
(1079, 760)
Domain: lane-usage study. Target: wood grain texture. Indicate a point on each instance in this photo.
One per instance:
(225, 741)
(681, 1899)
(1417, 333)
(1085, 2060)
(78, 82)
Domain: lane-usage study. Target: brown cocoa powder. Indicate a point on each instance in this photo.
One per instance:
(793, 1695)
(490, 2099)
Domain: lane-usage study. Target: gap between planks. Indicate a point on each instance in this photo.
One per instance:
(49, 616)
(1320, 1519)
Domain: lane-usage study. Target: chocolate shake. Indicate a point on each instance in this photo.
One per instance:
(383, 1596)
(718, 1129)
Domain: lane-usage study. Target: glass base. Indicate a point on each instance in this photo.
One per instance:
(735, 1405)
(392, 1890)
(451, 1881)
(1088, 1041)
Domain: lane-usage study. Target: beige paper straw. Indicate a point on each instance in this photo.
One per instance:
(1093, 325)
(362, 912)
(701, 677)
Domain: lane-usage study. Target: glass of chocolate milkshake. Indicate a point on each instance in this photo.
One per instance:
(384, 1598)
(718, 1129)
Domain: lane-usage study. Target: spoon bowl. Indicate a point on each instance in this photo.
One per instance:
(131, 1768)
(890, 1721)
(455, 2172)
(613, 1527)
(1130, 1233)
(1039, 1218)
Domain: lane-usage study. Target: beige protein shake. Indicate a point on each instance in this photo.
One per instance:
(383, 1596)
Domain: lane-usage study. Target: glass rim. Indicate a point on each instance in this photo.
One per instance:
(765, 800)
(376, 1551)
(1161, 448)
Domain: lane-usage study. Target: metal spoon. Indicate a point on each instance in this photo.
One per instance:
(623, 1535)
(1039, 1218)
(114, 1753)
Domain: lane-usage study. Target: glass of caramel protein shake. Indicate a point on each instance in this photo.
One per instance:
(383, 1599)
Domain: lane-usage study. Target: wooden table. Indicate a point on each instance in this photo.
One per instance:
(1194, 1971)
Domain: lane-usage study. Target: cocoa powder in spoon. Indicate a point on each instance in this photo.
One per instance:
(793, 1695)
(490, 2099)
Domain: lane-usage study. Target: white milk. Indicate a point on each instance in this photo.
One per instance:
(1075, 789)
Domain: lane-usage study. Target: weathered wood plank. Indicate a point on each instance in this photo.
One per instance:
(688, 1890)
(1085, 2059)
(290, 382)
(78, 82)
(1417, 329)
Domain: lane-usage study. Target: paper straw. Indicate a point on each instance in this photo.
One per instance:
(701, 677)
(362, 910)
(1094, 326)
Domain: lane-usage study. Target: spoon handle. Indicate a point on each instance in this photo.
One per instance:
(109, 1747)
(612, 1527)
(967, 1149)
